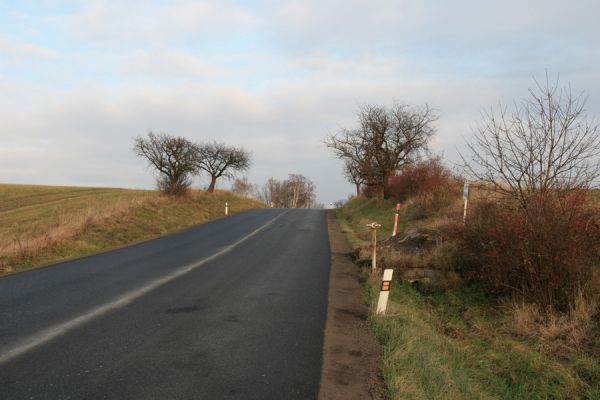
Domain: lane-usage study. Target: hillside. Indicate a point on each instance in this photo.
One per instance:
(461, 340)
(44, 224)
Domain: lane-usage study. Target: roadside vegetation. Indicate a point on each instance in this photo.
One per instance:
(44, 224)
(513, 311)
(463, 340)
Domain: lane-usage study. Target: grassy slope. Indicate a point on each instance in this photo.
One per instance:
(454, 344)
(43, 224)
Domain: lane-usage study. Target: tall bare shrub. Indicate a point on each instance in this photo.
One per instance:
(542, 241)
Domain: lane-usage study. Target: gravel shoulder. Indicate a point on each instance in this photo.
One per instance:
(351, 354)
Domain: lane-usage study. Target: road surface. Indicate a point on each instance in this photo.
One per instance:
(232, 309)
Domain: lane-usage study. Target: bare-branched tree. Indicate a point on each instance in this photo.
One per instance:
(300, 191)
(221, 160)
(386, 139)
(242, 187)
(545, 144)
(354, 174)
(295, 192)
(270, 192)
(174, 158)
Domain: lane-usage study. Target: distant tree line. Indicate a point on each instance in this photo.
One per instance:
(297, 191)
(177, 159)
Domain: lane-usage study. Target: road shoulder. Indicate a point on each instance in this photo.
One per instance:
(351, 354)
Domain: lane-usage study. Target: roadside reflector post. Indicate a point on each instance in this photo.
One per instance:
(396, 219)
(384, 294)
(466, 198)
(226, 208)
(374, 226)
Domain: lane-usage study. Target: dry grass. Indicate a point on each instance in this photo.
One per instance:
(557, 333)
(41, 224)
(35, 217)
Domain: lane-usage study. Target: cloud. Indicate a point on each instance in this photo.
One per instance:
(109, 23)
(22, 51)
(168, 64)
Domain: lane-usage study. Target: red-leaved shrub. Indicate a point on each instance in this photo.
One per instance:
(429, 183)
(545, 253)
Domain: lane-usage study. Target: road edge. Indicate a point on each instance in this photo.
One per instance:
(351, 354)
(122, 246)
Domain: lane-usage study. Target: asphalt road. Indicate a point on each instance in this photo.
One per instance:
(232, 309)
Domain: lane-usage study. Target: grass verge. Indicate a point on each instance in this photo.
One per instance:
(460, 343)
(45, 224)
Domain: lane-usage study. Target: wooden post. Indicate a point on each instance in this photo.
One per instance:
(374, 226)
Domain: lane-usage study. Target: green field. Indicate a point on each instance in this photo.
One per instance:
(43, 224)
(463, 342)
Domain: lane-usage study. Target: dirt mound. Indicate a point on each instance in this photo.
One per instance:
(411, 254)
(415, 241)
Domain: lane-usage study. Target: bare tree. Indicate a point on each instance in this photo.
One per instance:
(354, 174)
(545, 144)
(270, 192)
(242, 187)
(299, 191)
(174, 158)
(221, 160)
(295, 192)
(386, 139)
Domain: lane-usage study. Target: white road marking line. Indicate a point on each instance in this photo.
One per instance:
(48, 334)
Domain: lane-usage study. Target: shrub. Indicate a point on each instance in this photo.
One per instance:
(545, 253)
(430, 184)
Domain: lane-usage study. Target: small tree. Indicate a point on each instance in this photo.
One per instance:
(299, 191)
(270, 192)
(242, 187)
(221, 160)
(353, 174)
(174, 158)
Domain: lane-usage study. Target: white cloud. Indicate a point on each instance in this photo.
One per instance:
(23, 51)
(111, 23)
(168, 64)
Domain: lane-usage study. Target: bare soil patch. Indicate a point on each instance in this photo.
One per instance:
(351, 354)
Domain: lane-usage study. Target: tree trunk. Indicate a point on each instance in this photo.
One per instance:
(172, 185)
(357, 189)
(385, 186)
(213, 183)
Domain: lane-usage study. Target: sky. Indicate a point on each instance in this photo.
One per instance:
(80, 79)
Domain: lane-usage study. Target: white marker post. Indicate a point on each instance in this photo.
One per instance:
(384, 294)
(466, 197)
(374, 226)
(226, 208)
